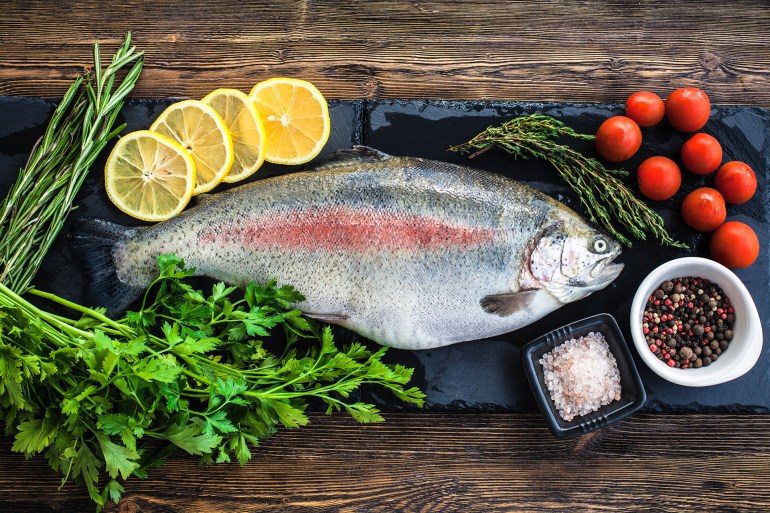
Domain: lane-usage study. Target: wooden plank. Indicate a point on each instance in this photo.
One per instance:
(560, 50)
(443, 462)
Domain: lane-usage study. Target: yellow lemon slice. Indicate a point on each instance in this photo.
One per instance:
(199, 130)
(149, 176)
(296, 118)
(245, 126)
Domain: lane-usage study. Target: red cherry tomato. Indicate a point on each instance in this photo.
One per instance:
(737, 182)
(702, 154)
(659, 178)
(734, 244)
(618, 139)
(645, 108)
(688, 109)
(704, 209)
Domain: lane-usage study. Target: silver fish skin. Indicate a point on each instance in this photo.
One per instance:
(408, 252)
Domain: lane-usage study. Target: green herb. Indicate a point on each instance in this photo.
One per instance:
(33, 212)
(187, 368)
(604, 197)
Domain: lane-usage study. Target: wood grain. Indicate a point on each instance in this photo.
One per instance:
(549, 50)
(442, 462)
(558, 50)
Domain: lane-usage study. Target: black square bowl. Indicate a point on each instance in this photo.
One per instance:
(632, 397)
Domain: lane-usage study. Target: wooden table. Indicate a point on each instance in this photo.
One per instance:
(560, 50)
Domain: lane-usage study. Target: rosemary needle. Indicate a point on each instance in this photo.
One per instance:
(606, 200)
(35, 208)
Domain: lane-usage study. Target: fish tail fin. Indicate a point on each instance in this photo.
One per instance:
(94, 241)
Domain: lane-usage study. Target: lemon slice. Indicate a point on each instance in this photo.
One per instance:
(199, 130)
(149, 176)
(296, 119)
(245, 126)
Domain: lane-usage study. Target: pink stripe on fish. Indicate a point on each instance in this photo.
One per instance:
(340, 228)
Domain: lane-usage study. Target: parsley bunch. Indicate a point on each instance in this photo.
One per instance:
(187, 368)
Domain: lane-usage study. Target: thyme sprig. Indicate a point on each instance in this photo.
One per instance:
(605, 198)
(34, 211)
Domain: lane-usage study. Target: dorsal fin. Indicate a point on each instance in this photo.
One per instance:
(355, 155)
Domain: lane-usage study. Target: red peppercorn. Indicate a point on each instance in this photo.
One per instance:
(707, 329)
(690, 305)
(671, 363)
(720, 310)
(666, 356)
(646, 331)
(723, 316)
(668, 302)
(657, 302)
(730, 310)
(653, 347)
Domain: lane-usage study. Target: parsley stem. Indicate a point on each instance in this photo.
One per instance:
(123, 330)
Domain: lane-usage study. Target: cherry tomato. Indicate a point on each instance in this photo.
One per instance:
(704, 209)
(734, 244)
(702, 154)
(618, 139)
(688, 109)
(659, 178)
(645, 108)
(737, 182)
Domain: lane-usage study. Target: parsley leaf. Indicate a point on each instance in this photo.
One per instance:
(188, 367)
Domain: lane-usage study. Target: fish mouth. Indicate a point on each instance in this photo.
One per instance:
(604, 271)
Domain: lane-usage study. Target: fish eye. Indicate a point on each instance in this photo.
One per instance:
(599, 245)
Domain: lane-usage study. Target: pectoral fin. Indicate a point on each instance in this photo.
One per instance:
(507, 304)
(331, 318)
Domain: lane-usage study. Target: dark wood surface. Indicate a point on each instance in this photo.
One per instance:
(431, 462)
(562, 51)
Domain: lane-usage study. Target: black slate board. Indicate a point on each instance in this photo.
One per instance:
(483, 375)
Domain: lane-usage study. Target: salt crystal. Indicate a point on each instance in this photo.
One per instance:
(581, 375)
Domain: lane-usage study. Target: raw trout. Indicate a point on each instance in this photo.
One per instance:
(408, 252)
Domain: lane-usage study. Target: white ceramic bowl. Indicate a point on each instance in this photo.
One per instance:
(746, 344)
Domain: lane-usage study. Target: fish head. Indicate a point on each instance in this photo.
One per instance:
(572, 259)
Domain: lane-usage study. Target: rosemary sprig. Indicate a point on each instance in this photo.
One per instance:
(34, 210)
(604, 197)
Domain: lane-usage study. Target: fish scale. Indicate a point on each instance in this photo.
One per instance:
(408, 252)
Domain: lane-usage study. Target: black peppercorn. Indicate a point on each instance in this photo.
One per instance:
(688, 322)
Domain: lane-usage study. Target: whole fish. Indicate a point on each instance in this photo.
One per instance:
(408, 252)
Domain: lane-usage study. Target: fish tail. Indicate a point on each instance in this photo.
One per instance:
(94, 241)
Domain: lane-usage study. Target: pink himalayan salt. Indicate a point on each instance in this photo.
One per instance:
(581, 375)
